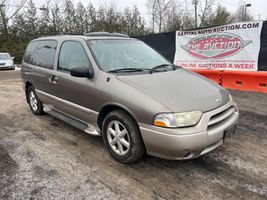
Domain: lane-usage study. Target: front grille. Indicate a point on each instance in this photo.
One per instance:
(221, 116)
(2, 63)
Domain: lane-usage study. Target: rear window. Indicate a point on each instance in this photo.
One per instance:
(29, 51)
(44, 54)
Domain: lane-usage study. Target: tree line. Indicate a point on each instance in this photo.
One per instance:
(22, 22)
(30, 22)
(171, 15)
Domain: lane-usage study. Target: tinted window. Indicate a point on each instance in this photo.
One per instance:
(44, 54)
(29, 51)
(71, 55)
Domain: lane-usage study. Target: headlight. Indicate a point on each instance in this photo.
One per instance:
(9, 62)
(174, 120)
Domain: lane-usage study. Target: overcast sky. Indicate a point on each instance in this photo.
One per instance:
(258, 7)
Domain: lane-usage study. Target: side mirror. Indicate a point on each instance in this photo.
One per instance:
(13, 58)
(82, 72)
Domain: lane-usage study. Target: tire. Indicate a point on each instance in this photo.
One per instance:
(121, 152)
(34, 102)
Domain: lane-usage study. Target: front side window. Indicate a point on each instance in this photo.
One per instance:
(112, 54)
(72, 54)
(44, 54)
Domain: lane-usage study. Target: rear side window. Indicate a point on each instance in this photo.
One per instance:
(29, 51)
(72, 54)
(44, 54)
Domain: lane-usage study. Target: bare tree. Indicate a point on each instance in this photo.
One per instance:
(174, 19)
(6, 14)
(163, 8)
(238, 16)
(159, 10)
(205, 7)
(31, 19)
(51, 17)
(151, 5)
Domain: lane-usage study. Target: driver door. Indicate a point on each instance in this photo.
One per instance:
(75, 96)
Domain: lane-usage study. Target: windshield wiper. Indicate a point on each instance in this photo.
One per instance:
(157, 68)
(163, 66)
(127, 70)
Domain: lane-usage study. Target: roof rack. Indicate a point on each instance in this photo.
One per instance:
(106, 34)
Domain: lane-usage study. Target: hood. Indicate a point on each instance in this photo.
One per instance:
(179, 90)
(6, 61)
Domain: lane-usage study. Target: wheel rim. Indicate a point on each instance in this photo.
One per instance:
(33, 101)
(118, 137)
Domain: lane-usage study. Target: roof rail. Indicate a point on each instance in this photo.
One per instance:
(106, 34)
(71, 33)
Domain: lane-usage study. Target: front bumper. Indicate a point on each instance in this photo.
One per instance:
(7, 66)
(192, 142)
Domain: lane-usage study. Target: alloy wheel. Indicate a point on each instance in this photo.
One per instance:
(33, 101)
(118, 137)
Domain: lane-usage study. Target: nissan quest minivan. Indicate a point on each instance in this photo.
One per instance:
(116, 87)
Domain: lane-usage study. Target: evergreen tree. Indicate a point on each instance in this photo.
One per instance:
(28, 24)
(100, 20)
(69, 17)
(90, 18)
(56, 20)
(31, 20)
(220, 17)
(81, 18)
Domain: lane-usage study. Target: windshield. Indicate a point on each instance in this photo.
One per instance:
(4, 56)
(112, 54)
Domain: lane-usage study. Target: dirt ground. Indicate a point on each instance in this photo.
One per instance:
(44, 158)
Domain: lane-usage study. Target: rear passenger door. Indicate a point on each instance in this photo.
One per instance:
(26, 65)
(75, 95)
(38, 64)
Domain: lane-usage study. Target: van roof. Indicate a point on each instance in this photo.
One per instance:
(85, 36)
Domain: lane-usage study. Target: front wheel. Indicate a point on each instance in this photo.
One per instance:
(34, 102)
(122, 137)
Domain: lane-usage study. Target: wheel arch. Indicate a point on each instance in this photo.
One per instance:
(27, 85)
(111, 107)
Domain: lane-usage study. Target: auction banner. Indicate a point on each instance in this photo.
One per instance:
(229, 47)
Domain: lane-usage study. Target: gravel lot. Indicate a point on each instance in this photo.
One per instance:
(44, 158)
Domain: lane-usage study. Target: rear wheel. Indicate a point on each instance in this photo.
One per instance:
(34, 102)
(122, 137)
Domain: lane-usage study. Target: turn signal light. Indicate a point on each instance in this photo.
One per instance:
(159, 123)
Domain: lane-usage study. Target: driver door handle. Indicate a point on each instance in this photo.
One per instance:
(53, 79)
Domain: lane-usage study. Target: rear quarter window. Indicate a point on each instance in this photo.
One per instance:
(29, 51)
(44, 54)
